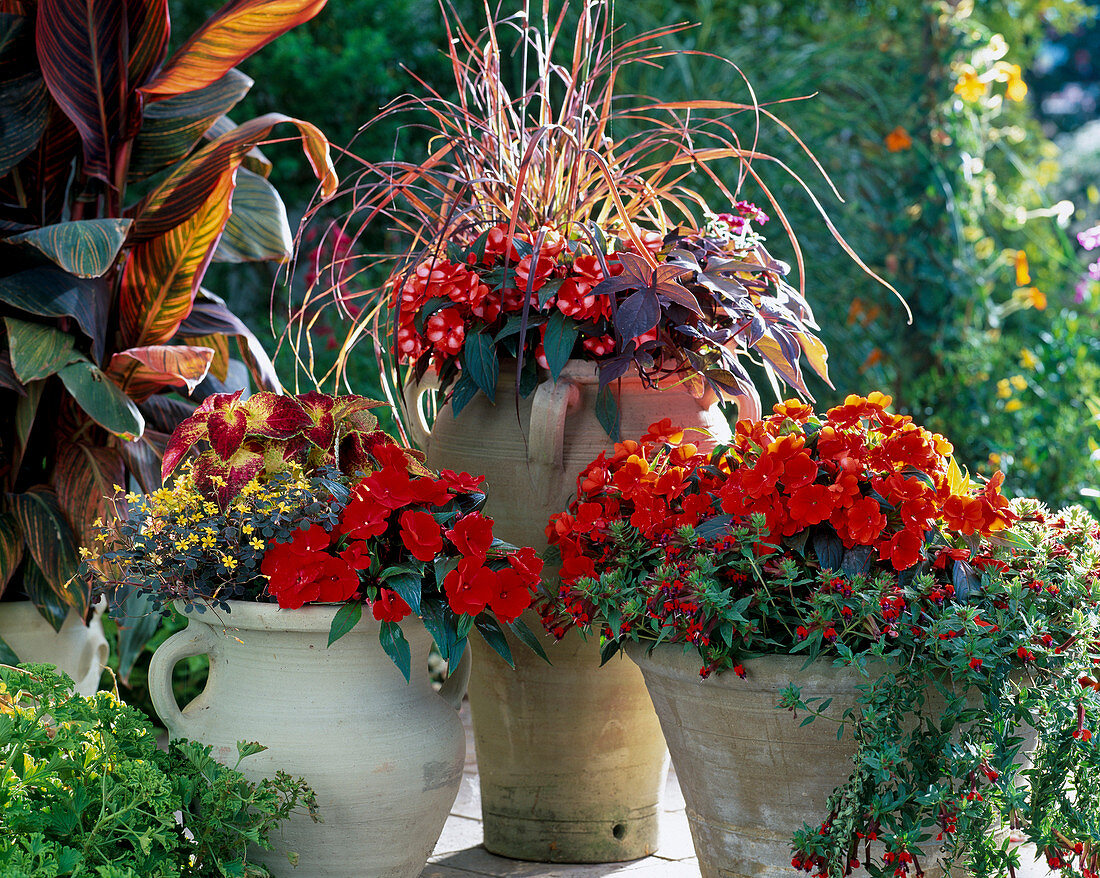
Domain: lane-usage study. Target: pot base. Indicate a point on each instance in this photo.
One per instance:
(546, 840)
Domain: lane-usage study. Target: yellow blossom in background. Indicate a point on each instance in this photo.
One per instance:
(1016, 90)
(898, 140)
(1036, 298)
(970, 86)
(1004, 389)
(1018, 382)
(1028, 360)
(1023, 276)
(994, 460)
(1013, 405)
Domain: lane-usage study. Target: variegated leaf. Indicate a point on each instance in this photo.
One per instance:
(219, 344)
(84, 479)
(141, 372)
(258, 229)
(101, 399)
(85, 248)
(11, 547)
(37, 350)
(50, 292)
(49, 538)
(78, 49)
(234, 32)
(162, 275)
(24, 112)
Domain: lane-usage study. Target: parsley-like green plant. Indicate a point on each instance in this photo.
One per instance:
(85, 791)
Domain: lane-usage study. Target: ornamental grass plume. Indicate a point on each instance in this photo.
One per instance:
(560, 219)
(855, 538)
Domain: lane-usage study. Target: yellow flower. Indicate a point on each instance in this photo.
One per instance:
(229, 561)
(1028, 360)
(84, 553)
(970, 86)
(208, 542)
(1018, 381)
(132, 497)
(994, 460)
(1013, 405)
(247, 528)
(898, 140)
(1004, 389)
(256, 543)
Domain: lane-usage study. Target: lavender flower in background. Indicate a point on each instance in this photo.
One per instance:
(1089, 239)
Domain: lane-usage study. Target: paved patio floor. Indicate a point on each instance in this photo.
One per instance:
(459, 853)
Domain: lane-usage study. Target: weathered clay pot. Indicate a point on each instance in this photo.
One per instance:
(384, 756)
(571, 757)
(77, 649)
(751, 774)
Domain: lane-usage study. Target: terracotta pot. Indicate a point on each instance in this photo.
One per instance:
(752, 774)
(571, 757)
(384, 756)
(77, 649)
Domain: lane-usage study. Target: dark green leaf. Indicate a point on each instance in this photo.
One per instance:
(102, 399)
(549, 290)
(608, 651)
(525, 634)
(440, 622)
(713, 527)
(24, 112)
(7, 654)
(84, 248)
(966, 579)
(464, 390)
(132, 612)
(50, 292)
(561, 335)
(479, 361)
(396, 646)
(607, 412)
(37, 350)
(408, 587)
(346, 618)
(829, 549)
(490, 630)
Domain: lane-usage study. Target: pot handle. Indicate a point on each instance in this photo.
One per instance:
(413, 392)
(552, 403)
(191, 641)
(454, 687)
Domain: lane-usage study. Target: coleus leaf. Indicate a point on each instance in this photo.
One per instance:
(225, 478)
(233, 33)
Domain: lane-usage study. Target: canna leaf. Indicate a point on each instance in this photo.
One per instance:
(101, 399)
(83, 478)
(49, 292)
(78, 50)
(162, 275)
(234, 32)
(258, 229)
(24, 113)
(148, 22)
(50, 541)
(51, 603)
(37, 350)
(141, 372)
(171, 128)
(11, 547)
(189, 187)
(85, 248)
(210, 315)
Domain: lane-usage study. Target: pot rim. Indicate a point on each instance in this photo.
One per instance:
(262, 616)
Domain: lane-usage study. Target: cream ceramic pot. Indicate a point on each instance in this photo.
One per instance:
(571, 758)
(77, 649)
(384, 756)
(752, 774)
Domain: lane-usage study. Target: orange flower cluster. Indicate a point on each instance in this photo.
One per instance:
(876, 478)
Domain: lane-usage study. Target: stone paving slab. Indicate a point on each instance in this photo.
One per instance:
(459, 852)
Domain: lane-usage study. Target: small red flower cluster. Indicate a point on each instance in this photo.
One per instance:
(441, 300)
(392, 515)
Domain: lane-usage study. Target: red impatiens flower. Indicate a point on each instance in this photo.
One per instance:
(421, 534)
(389, 606)
(513, 595)
(470, 587)
(472, 535)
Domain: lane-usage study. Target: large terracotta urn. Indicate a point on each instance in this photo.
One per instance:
(752, 774)
(77, 649)
(570, 755)
(384, 756)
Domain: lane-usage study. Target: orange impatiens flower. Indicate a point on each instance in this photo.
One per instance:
(1023, 276)
(898, 140)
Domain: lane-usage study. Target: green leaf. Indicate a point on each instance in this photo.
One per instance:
(489, 628)
(7, 654)
(561, 335)
(607, 412)
(248, 748)
(464, 391)
(37, 350)
(102, 399)
(608, 651)
(52, 545)
(84, 248)
(479, 361)
(408, 586)
(133, 614)
(396, 646)
(346, 618)
(439, 619)
(525, 634)
(257, 229)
